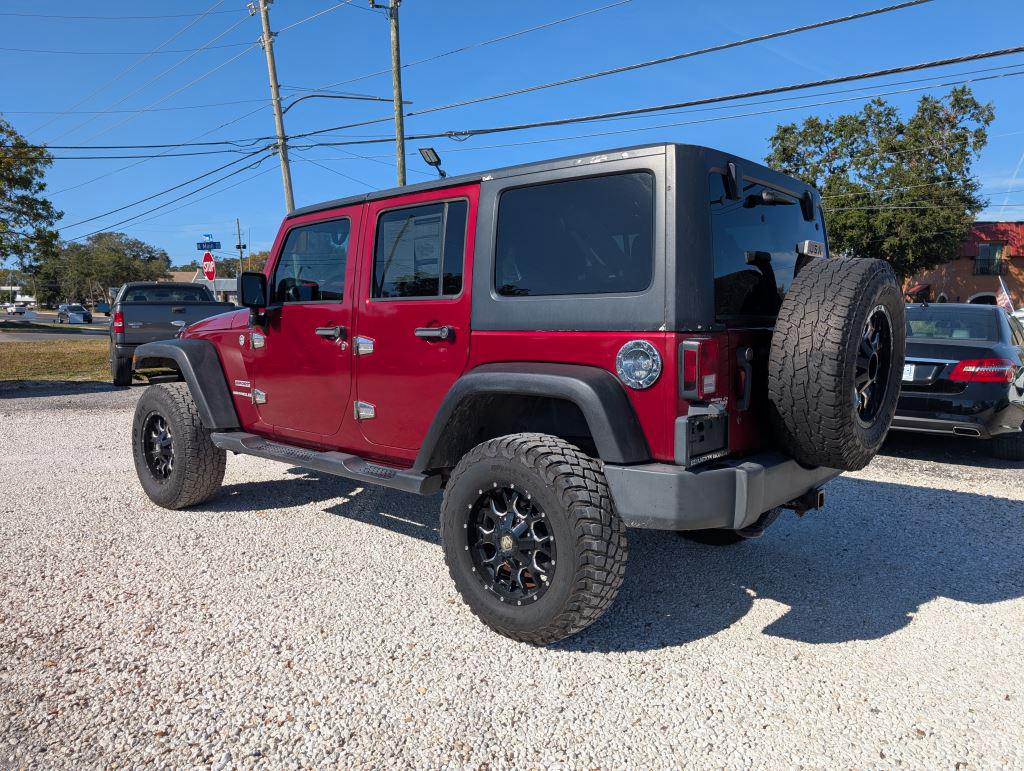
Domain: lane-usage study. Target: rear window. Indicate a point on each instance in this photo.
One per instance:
(166, 294)
(580, 236)
(936, 322)
(754, 249)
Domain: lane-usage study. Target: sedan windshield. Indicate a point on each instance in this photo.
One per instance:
(935, 322)
(76, 309)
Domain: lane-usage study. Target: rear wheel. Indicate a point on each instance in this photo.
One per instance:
(175, 460)
(531, 538)
(836, 362)
(120, 369)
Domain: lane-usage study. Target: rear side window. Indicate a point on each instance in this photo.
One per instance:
(312, 264)
(931, 322)
(754, 249)
(166, 294)
(419, 251)
(580, 236)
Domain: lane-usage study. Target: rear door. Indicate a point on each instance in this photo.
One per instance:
(413, 326)
(300, 358)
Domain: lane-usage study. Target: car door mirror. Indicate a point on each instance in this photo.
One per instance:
(252, 290)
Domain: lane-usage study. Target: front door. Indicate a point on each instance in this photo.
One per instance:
(301, 355)
(413, 327)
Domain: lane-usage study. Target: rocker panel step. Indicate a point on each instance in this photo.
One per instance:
(338, 463)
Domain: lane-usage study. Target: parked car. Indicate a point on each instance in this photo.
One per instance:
(144, 312)
(964, 375)
(74, 313)
(103, 308)
(16, 310)
(567, 348)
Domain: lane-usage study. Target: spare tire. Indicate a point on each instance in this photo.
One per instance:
(837, 362)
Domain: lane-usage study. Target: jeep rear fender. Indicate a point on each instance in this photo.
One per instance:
(597, 393)
(200, 368)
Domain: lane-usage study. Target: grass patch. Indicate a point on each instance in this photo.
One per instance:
(78, 360)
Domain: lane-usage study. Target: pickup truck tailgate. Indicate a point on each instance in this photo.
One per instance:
(146, 322)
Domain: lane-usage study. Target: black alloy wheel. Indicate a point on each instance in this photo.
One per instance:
(158, 445)
(511, 543)
(874, 360)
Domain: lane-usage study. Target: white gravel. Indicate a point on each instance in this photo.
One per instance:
(301, 621)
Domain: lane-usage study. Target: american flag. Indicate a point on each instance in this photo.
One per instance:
(1003, 296)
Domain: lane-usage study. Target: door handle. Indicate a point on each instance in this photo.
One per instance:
(331, 333)
(434, 333)
(178, 309)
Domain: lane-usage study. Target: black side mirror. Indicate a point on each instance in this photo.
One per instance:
(252, 290)
(733, 182)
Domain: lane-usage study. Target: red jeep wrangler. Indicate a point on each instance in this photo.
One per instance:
(649, 337)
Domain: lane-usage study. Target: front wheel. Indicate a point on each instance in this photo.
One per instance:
(531, 538)
(177, 463)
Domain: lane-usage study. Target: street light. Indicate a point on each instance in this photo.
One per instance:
(429, 154)
(355, 97)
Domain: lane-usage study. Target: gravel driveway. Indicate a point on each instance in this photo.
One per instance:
(301, 620)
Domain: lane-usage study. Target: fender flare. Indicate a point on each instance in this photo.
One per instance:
(200, 367)
(597, 392)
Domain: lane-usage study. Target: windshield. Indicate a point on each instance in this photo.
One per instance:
(937, 322)
(754, 240)
(76, 308)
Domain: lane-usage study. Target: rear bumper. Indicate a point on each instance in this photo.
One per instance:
(982, 411)
(731, 495)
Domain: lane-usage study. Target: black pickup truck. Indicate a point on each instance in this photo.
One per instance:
(147, 312)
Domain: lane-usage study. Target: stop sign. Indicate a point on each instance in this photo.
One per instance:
(209, 267)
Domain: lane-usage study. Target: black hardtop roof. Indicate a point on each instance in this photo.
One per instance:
(508, 171)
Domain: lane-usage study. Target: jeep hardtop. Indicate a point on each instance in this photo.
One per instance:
(650, 337)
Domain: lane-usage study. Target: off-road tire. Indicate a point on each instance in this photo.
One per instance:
(198, 469)
(121, 370)
(590, 538)
(717, 536)
(1007, 446)
(812, 370)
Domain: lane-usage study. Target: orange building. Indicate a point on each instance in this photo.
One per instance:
(991, 250)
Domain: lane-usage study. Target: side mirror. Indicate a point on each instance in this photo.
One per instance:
(733, 182)
(252, 290)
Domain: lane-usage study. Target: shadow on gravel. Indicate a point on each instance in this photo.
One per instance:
(944, 449)
(30, 389)
(859, 570)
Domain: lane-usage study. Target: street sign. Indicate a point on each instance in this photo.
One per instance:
(209, 267)
(207, 246)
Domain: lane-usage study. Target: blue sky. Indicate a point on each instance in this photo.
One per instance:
(352, 41)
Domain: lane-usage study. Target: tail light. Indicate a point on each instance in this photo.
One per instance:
(118, 321)
(700, 364)
(984, 371)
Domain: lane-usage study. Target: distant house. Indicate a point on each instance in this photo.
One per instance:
(991, 250)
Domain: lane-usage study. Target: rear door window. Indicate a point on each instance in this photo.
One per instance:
(755, 250)
(419, 251)
(581, 236)
(167, 294)
(311, 267)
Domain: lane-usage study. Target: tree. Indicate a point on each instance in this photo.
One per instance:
(86, 271)
(902, 190)
(227, 267)
(26, 218)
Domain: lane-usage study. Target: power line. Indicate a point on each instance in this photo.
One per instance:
(638, 65)
(132, 66)
(252, 165)
(155, 109)
(114, 18)
(316, 15)
(465, 134)
(471, 46)
(115, 53)
(168, 190)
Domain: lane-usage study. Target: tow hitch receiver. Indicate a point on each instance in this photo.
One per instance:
(812, 499)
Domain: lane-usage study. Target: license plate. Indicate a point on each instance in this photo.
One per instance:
(908, 372)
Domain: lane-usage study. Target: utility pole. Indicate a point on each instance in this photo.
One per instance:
(239, 245)
(275, 98)
(396, 86)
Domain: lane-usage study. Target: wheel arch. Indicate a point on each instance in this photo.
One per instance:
(199, 366)
(497, 399)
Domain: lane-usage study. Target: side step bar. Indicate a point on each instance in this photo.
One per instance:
(338, 463)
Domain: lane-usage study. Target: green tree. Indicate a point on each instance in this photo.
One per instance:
(902, 190)
(26, 217)
(86, 271)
